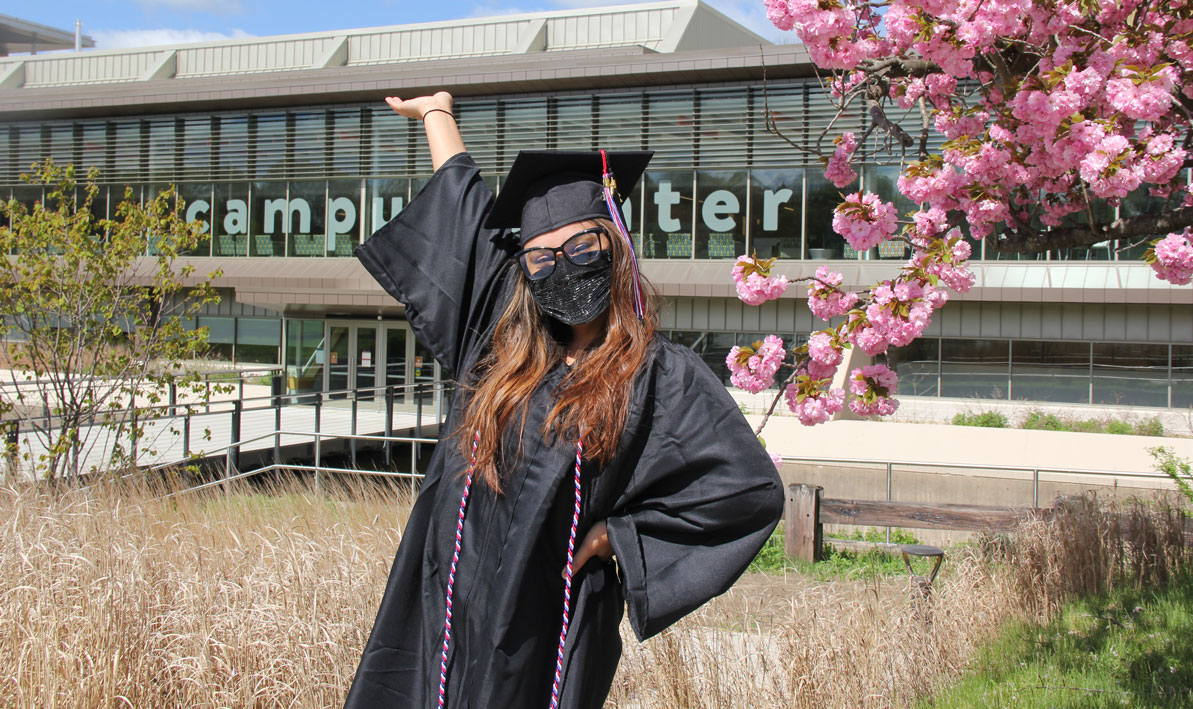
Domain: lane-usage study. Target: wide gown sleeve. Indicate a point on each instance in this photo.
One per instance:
(437, 259)
(700, 503)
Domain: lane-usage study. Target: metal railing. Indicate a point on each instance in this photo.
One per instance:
(1034, 470)
(232, 473)
(416, 397)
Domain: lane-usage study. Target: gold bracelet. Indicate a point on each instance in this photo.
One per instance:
(441, 110)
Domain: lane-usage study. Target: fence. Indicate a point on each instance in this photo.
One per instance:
(806, 512)
(422, 402)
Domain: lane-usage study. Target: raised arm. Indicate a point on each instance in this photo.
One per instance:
(443, 136)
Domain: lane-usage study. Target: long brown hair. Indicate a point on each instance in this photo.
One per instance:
(593, 398)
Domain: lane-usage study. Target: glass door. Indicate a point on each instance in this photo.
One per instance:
(339, 359)
(365, 362)
(395, 360)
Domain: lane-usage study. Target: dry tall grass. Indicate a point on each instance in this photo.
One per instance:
(109, 598)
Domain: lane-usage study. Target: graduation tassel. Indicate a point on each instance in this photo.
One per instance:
(567, 585)
(451, 576)
(610, 186)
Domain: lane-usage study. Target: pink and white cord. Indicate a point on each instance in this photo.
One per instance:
(567, 584)
(451, 576)
(567, 592)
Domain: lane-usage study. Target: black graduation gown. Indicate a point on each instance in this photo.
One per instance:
(689, 498)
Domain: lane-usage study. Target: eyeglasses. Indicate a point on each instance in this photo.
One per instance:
(581, 248)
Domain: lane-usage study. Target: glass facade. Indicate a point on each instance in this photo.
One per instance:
(309, 181)
(1112, 373)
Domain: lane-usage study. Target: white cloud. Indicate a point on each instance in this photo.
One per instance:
(124, 39)
(485, 9)
(214, 7)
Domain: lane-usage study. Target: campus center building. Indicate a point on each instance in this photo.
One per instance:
(284, 148)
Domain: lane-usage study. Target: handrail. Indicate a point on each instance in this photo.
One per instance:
(978, 466)
(274, 434)
(229, 405)
(1034, 470)
(285, 466)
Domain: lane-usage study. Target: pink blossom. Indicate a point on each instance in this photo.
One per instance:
(754, 283)
(815, 407)
(777, 460)
(1162, 160)
(1147, 100)
(936, 186)
(820, 371)
(826, 302)
(865, 220)
(1173, 258)
(1109, 169)
(779, 14)
(821, 349)
(872, 388)
(753, 368)
(838, 170)
(866, 337)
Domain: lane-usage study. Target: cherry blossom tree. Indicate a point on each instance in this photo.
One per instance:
(1022, 123)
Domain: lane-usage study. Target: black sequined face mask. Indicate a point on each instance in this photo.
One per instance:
(575, 294)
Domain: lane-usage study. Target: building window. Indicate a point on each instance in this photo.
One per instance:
(1182, 376)
(305, 207)
(1130, 374)
(304, 356)
(221, 337)
(776, 212)
(1050, 371)
(918, 367)
(667, 219)
(974, 368)
(258, 340)
(721, 214)
(823, 198)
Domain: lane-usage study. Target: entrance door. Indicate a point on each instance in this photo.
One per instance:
(365, 362)
(396, 337)
(351, 360)
(408, 363)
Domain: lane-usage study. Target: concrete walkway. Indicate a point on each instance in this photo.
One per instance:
(945, 443)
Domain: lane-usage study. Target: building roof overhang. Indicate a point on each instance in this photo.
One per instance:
(19, 36)
(579, 70)
(656, 42)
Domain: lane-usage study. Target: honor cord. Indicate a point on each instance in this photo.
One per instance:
(567, 584)
(567, 591)
(451, 576)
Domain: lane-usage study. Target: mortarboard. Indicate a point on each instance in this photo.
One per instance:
(547, 189)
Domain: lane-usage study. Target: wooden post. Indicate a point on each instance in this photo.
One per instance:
(803, 535)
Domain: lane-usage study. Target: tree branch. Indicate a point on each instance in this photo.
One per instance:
(1034, 241)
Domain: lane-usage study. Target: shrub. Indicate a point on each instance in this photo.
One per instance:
(1175, 467)
(985, 419)
(1039, 421)
(1119, 427)
(1149, 427)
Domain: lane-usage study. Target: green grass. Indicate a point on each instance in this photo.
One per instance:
(1130, 648)
(1040, 421)
(985, 419)
(836, 565)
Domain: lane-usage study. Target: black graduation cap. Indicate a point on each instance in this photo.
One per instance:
(547, 189)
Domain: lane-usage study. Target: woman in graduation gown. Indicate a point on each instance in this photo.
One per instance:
(589, 465)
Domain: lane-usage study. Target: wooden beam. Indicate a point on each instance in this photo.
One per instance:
(802, 535)
(918, 515)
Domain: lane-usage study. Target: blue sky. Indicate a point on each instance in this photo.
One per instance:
(123, 23)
